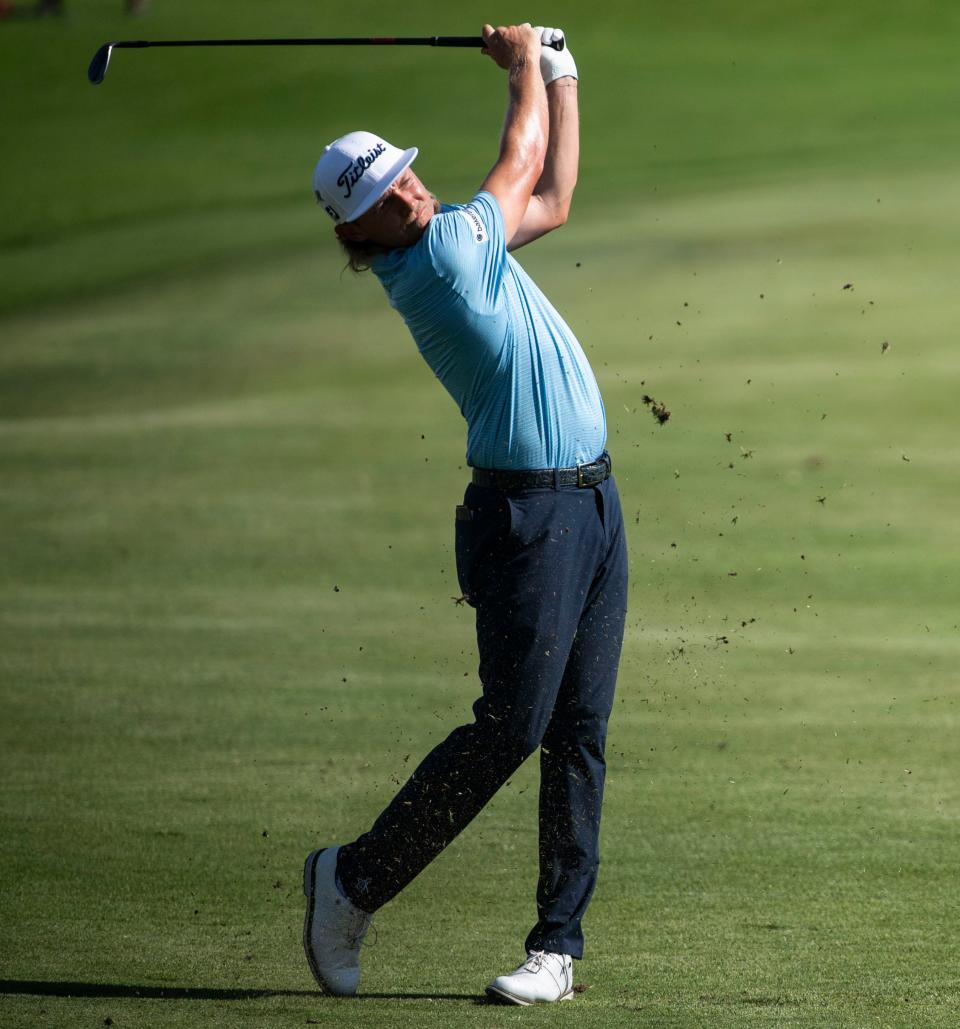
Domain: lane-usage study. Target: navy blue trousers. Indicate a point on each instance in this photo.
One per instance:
(546, 570)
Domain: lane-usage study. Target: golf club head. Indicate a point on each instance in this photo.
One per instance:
(99, 64)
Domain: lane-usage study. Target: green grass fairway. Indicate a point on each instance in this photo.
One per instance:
(227, 484)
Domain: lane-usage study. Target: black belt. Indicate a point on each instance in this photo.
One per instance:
(546, 478)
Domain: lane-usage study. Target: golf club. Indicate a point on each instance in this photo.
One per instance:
(101, 59)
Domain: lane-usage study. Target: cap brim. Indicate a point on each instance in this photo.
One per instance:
(404, 162)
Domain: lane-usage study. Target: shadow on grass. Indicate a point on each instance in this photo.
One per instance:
(42, 988)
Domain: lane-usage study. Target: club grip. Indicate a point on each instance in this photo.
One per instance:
(557, 44)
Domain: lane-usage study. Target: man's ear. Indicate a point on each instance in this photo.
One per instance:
(350, 232)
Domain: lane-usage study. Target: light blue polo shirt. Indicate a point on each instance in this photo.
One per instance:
(503, 353)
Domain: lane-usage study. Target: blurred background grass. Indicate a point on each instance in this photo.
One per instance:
(227, 492)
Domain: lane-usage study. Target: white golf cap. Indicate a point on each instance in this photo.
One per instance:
(355, 171)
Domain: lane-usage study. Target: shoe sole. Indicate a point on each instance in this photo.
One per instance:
(309, 891)
(492, 991)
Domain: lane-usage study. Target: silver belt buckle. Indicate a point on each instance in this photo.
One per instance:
(603, 460)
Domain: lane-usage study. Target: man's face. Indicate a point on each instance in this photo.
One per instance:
(399, 218)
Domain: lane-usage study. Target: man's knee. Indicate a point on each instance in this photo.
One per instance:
(511, 736)
(586, 731)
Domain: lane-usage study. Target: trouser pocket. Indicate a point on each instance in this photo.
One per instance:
(480, 533)
(462, 547)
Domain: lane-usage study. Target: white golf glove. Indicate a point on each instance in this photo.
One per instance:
(554, 64)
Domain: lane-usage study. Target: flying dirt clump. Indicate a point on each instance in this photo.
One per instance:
(657, 409)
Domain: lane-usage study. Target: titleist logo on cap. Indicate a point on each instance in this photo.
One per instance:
(354, 171)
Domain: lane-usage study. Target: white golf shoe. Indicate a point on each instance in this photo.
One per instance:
(333, 928)
(542, 978)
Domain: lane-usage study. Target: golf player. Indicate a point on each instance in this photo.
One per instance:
(540, 547)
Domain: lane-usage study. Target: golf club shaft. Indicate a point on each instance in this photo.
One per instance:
(465, 41)
(101, 59)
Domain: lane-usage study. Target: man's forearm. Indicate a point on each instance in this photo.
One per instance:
(561, 165)
(526, 126)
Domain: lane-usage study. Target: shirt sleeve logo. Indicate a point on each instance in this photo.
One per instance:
(477, 227)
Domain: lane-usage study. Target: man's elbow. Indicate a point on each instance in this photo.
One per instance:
(560, 212)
